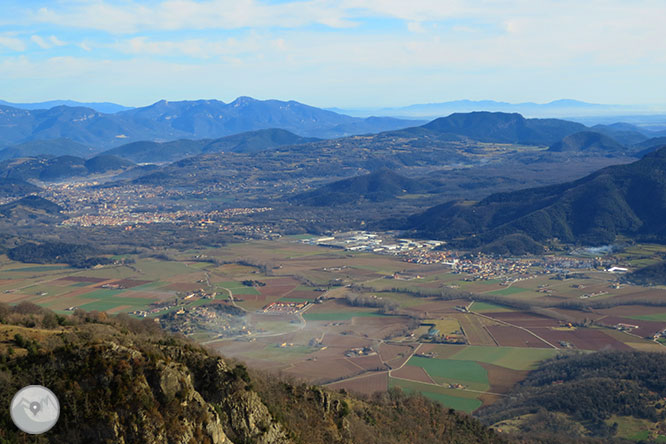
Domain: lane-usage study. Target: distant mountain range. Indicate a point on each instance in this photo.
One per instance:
(102, 107)
(248, 142)
(456, 128)
(167, 121)
(557, 108)
(179, 129)
(446, 139)
(628, 200)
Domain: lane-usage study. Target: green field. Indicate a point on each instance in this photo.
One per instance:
(514, 358)
(661, 317)
(455, 399)
(244, 290)
(635, 429)
(297, 300)
(453, 371)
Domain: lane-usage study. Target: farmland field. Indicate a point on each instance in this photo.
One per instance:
(516, 358)
(452, 398)
(486, 307)
(339, 316)
(363, 348)
(469, 373)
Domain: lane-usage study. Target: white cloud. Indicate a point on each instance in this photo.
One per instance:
(11, 42)
(55, 41)
(476, 43)
(47, 43)
(40, 42)
(196, 48)
(131, 17)
(606, 27)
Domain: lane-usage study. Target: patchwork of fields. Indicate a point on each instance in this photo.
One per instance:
(398, 339)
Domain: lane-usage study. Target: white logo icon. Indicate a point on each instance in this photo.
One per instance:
(35, 409)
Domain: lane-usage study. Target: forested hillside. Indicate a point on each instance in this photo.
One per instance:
(578, 395)
(627, 200)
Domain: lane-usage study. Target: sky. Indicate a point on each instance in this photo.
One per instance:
(346, 53)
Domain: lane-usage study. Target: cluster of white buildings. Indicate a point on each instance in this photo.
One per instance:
(372, 242)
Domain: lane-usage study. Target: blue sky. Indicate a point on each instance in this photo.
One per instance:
(346, 53)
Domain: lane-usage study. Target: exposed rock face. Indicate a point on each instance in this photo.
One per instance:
(119, 386)
(249, 418)
(150, 393)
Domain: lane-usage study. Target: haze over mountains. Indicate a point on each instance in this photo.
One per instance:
(557, 108)
(102, 107)
(165, 121)
(184, 128)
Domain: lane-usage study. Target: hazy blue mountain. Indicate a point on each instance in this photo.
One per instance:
(647, 146)
(587, 141)
(624, 133)
(375, 187)
(556, 108)
(165, 121)
(12, 187)
(505, 128)
(49, 147)
(213, 118)
(445, 141)
(105, 162)
(254, 141)
(247, 142)
(148, 151)
(137, 171)
(102, 107)
(83, 125)
(61, 167)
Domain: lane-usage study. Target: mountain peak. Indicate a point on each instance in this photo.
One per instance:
(243, 101)
(587, 141)
(486, 126)
(622, 200)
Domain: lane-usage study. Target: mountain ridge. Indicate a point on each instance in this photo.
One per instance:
(505, 127)
(624, 199)
(165, 120)
(377, 186)
(561, 108)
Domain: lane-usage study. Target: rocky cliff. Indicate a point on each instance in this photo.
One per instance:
(124, 381)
